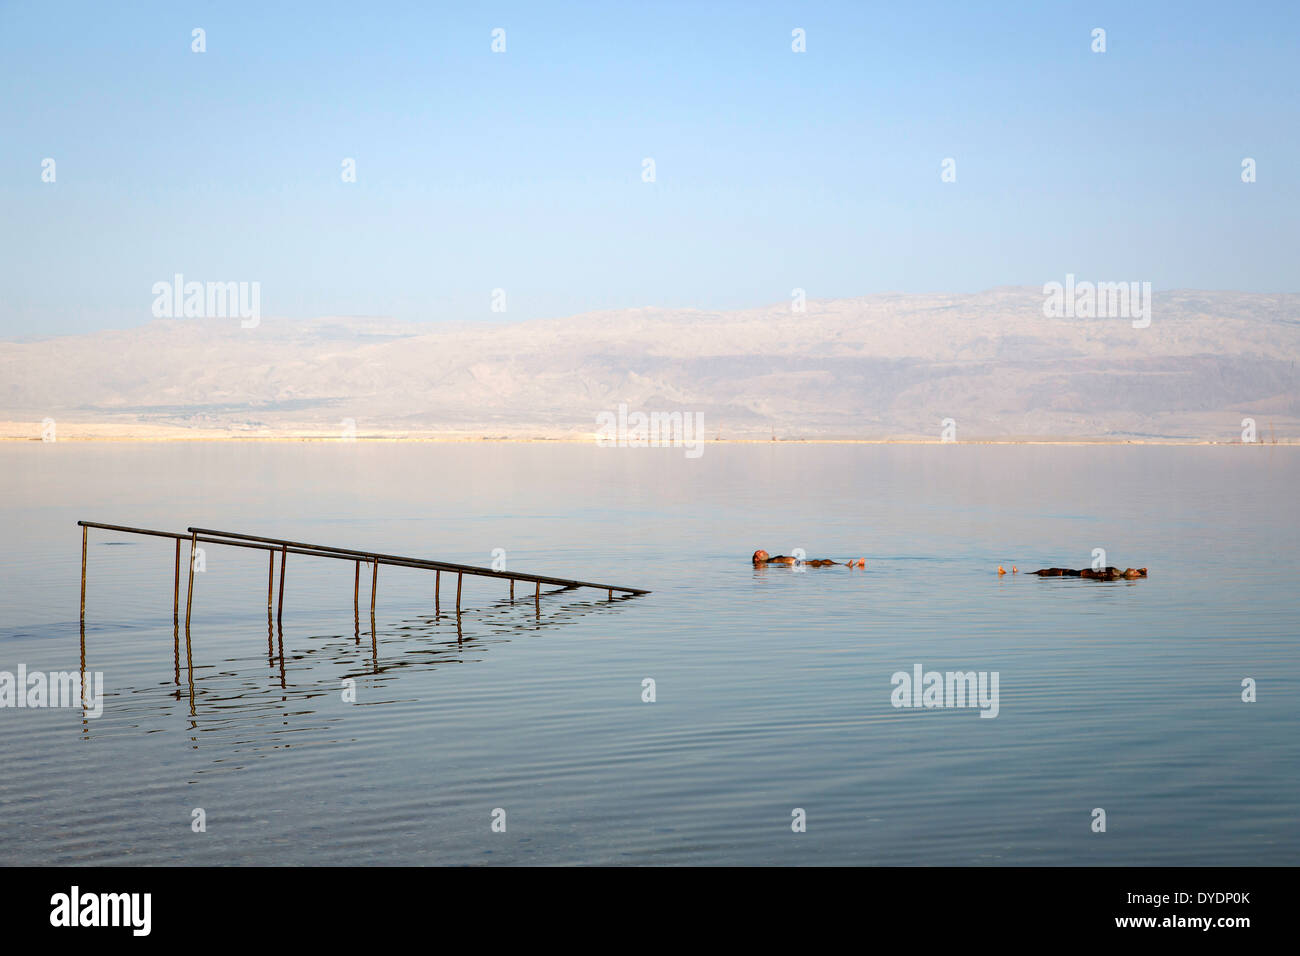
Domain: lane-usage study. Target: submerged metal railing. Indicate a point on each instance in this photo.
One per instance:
(197, 536)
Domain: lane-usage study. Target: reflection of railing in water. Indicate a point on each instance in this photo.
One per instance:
(425, 624)
(233, 539)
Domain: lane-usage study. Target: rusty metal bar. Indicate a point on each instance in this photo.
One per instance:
(437, 594)
(84, 532)
(279, 610)
(417, 562)
(185, 536)
(356, 592)
(176, 586)
(270, 582)
(189, 588)
(394, 561)
(458, 582)
(512, 589)
(120, 527)
(325, 552)
(374, 585)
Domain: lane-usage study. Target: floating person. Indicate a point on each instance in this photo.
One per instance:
(1096, 574)
(761, 557)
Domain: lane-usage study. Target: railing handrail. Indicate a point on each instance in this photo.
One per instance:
(262, 543)
(417, 562)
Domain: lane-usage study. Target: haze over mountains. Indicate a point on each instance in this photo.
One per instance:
(876, 367)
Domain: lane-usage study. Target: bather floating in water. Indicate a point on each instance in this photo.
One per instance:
(1097, 574)
(762, 557)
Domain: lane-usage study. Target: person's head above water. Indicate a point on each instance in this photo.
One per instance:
(760, 556)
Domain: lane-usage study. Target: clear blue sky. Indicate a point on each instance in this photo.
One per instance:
(522, 170)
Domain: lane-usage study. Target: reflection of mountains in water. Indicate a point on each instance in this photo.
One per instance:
(233, 697)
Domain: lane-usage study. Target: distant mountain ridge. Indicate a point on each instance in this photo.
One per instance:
(875, 367)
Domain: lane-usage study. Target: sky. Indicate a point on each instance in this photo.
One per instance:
(523, 170)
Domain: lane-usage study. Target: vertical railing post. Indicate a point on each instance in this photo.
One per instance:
(374, 639)
(176, 594)
(189, 589)
(374, 584)
(84, 530)
(270, 582)
(459, 577)
(279, 610)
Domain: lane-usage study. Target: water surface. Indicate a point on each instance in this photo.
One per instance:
(772, 686)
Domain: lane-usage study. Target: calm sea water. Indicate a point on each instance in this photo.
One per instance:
(773, 687)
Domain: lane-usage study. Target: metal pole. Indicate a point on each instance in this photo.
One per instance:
(356, 592)
(84, 531)
(270, 582)
(458, 581)
(279, 610)
(176, 595)
(437, 594)
(512, 589)
(348, 553)
(189, 592)
(374, 583)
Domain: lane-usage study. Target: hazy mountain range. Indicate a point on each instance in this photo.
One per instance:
(877, 367)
